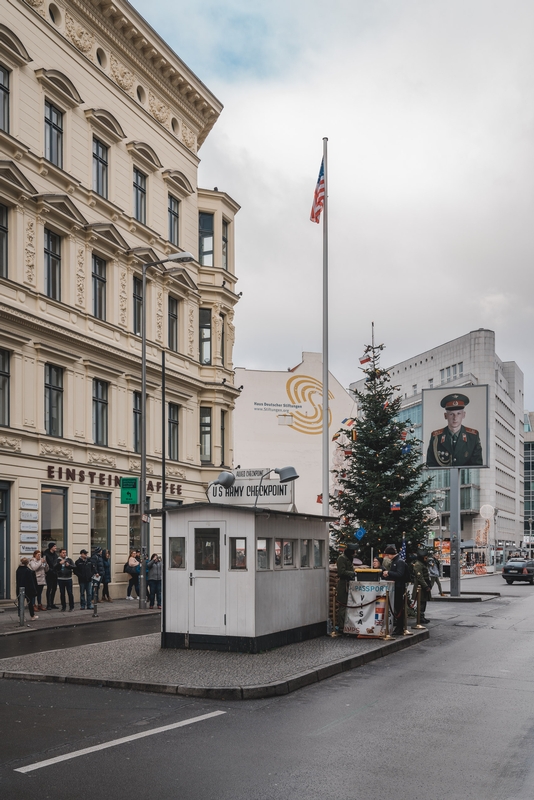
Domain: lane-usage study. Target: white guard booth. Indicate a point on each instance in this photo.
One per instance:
(243, 579)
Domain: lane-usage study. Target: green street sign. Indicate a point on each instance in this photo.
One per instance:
(130, 490)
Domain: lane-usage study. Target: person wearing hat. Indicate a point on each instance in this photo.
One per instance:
(98, 563)
(421, 580)
(345, 571)
(455, 445)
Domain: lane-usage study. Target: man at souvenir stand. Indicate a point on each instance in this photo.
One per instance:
(397, 572)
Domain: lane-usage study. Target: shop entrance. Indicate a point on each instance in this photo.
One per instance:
(207, 578)
(4, 541)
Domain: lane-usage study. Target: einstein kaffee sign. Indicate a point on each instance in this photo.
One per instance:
(249, 486)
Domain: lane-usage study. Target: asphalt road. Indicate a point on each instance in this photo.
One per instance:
(450, 719)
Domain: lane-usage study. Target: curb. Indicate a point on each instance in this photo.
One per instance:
(256, 692)
(90, 621)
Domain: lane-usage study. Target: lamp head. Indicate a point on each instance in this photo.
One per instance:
(181, 258)
(225, 479)
(287, 474)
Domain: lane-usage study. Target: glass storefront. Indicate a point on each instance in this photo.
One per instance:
(100, 520)
(53, 516)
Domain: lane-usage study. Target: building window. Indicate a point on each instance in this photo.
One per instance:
(53, 134)
(99, 288)
(100, 168)
(318, 553)
(137, 422)
(4, 99)
(172, 324)
(225, 244)
(442, 375)
(431, 383)
(100, 520)
(238, 553)
(52, 265)
(204, 322)
(305, 552)
(177, 552)
(263, 554)
(208, 549)
(205, 239)
(205, 435)
(173, 424)
(100, 412)
(139, 198)
(53, 400)
(3, 241)
(174, 220)
(460, 368)
(223, 438)
(414, 388)
(53, 517)
(137, 305)
(4, 388)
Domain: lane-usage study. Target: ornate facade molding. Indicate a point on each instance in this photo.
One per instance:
(29, 252)
(56, 450)
(191, 332)
(11, 443)
(188, 138)
(121, 75)
(175, 472)
(158, 108)
(80, 277)
(159, 316)
(104, 459)
(81, 38)
(38, 5)
(135, 466)
(123, 299)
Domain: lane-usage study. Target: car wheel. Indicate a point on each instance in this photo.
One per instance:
(531, 581)
(509, 581)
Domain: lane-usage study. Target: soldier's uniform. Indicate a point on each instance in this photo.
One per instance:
(345, 571)
(421, 577)
(460, 449)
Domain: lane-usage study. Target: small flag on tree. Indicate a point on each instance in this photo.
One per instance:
(348, 421)
(394, 506)
(402, 552)
(365, 358)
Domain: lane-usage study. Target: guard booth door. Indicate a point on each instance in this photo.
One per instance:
(207, 578)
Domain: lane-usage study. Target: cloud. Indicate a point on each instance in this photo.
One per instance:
(428, 109)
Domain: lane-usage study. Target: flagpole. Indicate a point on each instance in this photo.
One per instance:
(326, 431)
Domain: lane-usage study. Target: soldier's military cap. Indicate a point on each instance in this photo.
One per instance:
(454, 401)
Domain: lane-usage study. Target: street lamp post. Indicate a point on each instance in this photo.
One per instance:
(180, 258)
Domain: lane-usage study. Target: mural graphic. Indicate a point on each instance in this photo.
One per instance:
(303, 389)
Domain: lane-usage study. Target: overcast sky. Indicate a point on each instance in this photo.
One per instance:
(428, 108)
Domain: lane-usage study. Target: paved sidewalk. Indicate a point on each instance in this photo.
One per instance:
(118, 609)
(140, 664)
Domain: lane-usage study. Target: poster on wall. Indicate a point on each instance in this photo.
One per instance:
(455, 427)
(366, 609)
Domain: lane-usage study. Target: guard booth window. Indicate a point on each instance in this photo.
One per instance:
(263, 554)
(207, 549)
(177, 552)
(238, 553)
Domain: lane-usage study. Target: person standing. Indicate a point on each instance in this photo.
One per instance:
(65, 568)
(40, 567)
(421, 578)
(433, 571)
(96, 558)
(397, 571)
(106, 578)
(154, 580)
(25, 577)
(345, 571)
(85, 570)
(133, 571)
(51, 576)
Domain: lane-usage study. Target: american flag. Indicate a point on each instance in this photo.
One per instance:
(402, 553)
(318, 197)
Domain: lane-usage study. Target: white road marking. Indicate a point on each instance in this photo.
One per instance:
(115, 742)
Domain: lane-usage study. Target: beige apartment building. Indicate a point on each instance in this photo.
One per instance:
(100, 127)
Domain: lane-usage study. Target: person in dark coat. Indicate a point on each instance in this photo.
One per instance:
(397, 572)
(65, 567)
(98, 563)
(25, 577)
(106, 579)
(422, 580)
(84, 569)
(51, 576)
(345, 571)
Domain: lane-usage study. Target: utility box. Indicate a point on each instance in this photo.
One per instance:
(243, 579)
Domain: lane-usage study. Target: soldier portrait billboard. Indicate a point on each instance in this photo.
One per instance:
(455, 427)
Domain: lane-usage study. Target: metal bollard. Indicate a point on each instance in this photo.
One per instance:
(22, 597)
(418, 625)
(387, 634)
(95, 586)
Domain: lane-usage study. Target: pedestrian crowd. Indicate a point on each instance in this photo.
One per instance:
(421, 570)
(53, 570)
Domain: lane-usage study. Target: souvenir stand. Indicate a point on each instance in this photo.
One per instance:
(243, 579)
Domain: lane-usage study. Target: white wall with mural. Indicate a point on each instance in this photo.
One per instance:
(278, 422)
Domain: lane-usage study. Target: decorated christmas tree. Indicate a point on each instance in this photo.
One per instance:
(379, 489)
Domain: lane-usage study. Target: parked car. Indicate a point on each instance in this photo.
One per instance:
(518, 569)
